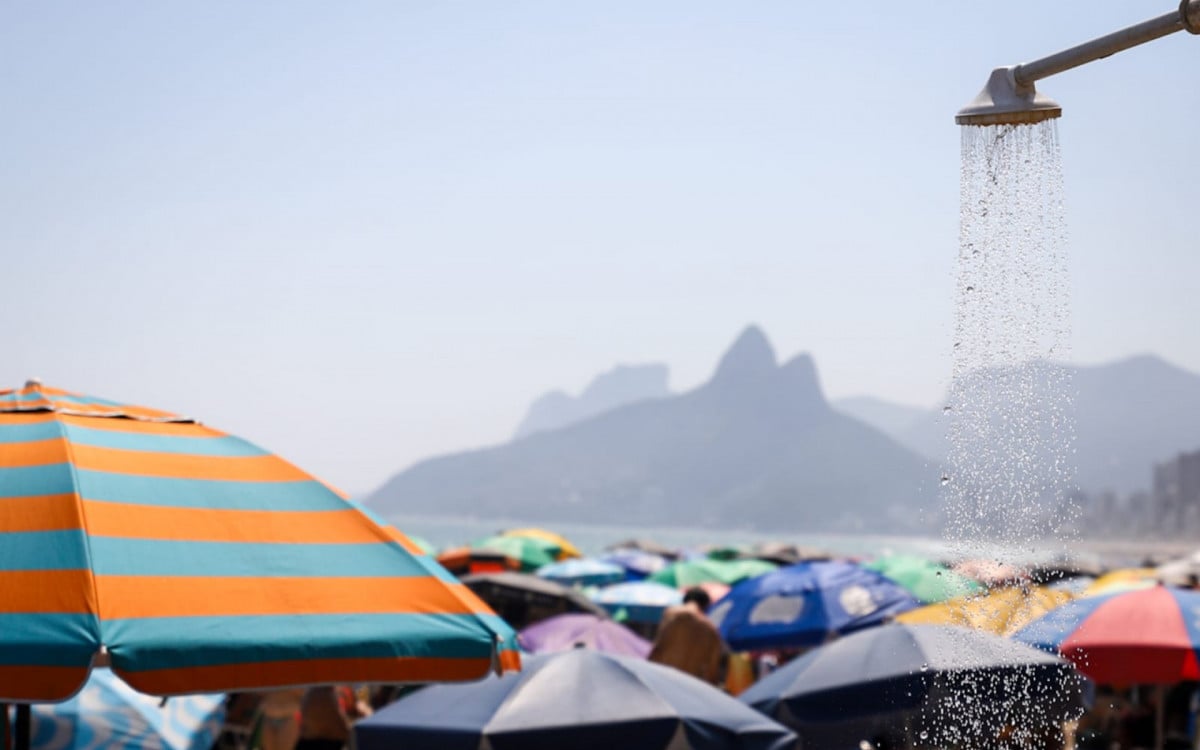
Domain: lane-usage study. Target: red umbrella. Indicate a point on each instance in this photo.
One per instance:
(1146, 636)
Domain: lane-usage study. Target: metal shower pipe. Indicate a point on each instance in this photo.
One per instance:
(1010, 96)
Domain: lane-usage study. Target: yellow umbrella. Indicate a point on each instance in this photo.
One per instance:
(1123, 579)
(1002, 612)
(567, 549)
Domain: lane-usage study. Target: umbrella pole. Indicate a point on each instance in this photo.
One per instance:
(1159, 711)
(23, 726)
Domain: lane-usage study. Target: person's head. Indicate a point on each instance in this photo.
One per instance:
(698, 597)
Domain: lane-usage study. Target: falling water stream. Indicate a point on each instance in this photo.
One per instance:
(1009, 418)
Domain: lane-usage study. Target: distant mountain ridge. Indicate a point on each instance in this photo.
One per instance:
(1130, 414)
(757, 446)
(621, 385)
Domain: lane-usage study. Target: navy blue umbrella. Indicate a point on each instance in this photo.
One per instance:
(580, 699)
(805, 604)
(898, 681)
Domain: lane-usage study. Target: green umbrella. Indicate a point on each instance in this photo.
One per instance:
(688, 573)
(423, 545)
(924, 579)
(531, 553)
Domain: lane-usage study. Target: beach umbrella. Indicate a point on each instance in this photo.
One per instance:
(991, 572)
(529, 553)
(687, 573)
(645, 545)
(926, 580)
(579, 699)
(785, 553)
(638, 601)
(1001, 611)
(565, 632)
(1184, 571)
(636, 563)
(564, 547)
(1144, 636)
(109, 714)
(904, 680)
(805, 604)
(583, 572)
(1122, 579)
(424, 545)
(193, 561)
(522, 599)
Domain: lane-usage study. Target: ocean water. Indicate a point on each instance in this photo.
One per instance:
(445, 532)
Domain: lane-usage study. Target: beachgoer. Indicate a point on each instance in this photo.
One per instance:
(687, 639)
(326, 716)
(280, 726)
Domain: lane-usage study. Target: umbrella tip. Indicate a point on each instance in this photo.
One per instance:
(33, 383)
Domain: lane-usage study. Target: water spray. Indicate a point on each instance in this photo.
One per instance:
(1009, 98)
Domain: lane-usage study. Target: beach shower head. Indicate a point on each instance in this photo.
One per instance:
(1009, 98)
(1005, 101)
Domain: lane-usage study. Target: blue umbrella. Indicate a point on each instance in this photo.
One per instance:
(805, 604)
(638, 601)
(109, 714)
(579, 699)
(940, 681)
(583, 572)
(638, 564)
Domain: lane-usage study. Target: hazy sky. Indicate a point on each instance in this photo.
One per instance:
(363, 233)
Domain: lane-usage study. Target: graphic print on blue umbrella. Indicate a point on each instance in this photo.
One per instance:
(806, 604)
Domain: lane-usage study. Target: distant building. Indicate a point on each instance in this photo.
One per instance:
(1176, 493)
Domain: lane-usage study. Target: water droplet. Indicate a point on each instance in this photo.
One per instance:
(924, 734)
(924, 667)
(970, 289)
(947, 409)
(945, 479)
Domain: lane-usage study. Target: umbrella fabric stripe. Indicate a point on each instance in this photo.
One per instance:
(141, 596)
(42, 550)
(201, 493)
(54, 479)
(40, 513)
(338, 636)
(58, 640)
(208, 445)
(223, 678)
(49, 591)
(1050, 630)
(41, 683)
(44, 429)
(116, 556)
(33, 453)
(206, 525)
(260, 468)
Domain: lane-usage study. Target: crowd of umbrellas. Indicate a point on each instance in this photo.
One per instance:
(144, 555)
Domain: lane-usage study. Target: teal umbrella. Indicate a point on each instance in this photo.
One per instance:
(688, 573)
(530, 553)
(926, 580)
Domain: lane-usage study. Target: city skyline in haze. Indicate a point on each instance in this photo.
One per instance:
(364, 236)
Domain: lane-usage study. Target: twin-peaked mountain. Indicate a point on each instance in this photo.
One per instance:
(757, 446)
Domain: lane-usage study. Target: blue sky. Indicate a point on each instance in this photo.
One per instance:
(363, 233)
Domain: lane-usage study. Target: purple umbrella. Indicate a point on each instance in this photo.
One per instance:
(565, 632)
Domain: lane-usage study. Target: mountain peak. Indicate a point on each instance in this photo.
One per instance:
(750, 358)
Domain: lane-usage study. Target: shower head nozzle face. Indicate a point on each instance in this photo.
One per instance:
(1004, 101)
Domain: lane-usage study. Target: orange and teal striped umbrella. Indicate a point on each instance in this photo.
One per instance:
(193, 561)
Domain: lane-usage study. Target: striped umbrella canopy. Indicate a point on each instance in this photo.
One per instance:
(193, 561)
